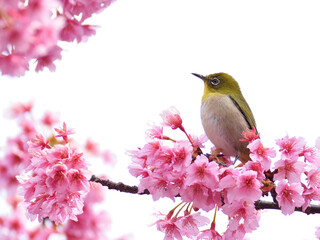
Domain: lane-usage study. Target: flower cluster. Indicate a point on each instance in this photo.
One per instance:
(31, 30)
(298, 180)
(51, 171)
(54, 185)
(172, 168)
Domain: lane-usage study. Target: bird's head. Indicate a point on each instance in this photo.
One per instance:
(221, 83)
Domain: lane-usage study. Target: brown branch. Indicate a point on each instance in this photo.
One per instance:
(260, 204)
(117, 186)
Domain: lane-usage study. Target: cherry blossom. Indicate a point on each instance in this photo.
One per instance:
(291, 147)
(64, 132)
(54, 184)
(244, 217)
(209, 234)
(171, 118)
(33, 30)
(52, 179)
(258, 153)
(309, 194)
(190, 223)
(247, 187)
(170, 228)
(289, 196)
(250, 135)
(38, 142)
(49, 119)
(290, 169)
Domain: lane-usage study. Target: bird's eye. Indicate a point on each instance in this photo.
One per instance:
(215, 81)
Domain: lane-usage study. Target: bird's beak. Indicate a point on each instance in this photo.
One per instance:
(199, 76)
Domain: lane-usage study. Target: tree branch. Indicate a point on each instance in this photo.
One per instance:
(260, 204)
(117, 186)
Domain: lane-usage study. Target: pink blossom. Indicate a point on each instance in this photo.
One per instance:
(250, 135)
(13, 64)
(155, 132)
(210, 234)
(49, 119)
(158, 187)
(38, 142)
(309, 194)
(199, 141)
(238, 234)
(75, 30)
(57, 177)
(247, 187)
(290, 169)
(204, 172)
(109, 157)
(64, 132)
(190, 223)
(60, 153)
(96, 194)
(13, 225)
(313, 177)
(291, 147)
(171, 118)
(45, 37)
(27, 127)
(20, 109)
(78, 181)
(40, 233)
(289, 196)
(149, 152)
(29, 186)
(228, 177)
(182, 155)
(312, 155)
(14, 160)
(257, 167)
(76, 160)
(162, 159)
(170, 228)
(258, 153)
(9, 4)
(30, 31)
(201, 196)
(92, 147)
(54, 185)
(86, 8)
(47, 60)
(138, 166)
(243, 216)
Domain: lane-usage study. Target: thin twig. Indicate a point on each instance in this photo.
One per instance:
(117, 186)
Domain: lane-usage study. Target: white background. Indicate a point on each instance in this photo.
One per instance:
(139, 64)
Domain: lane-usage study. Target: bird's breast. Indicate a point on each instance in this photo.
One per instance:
(223, 123)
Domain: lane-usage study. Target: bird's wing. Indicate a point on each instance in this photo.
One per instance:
(246, 112)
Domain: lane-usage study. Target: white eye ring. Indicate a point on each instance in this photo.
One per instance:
(215, 81)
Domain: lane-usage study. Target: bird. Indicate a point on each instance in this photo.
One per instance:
(225, 114)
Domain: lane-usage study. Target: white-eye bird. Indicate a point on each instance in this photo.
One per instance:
(225, 114)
